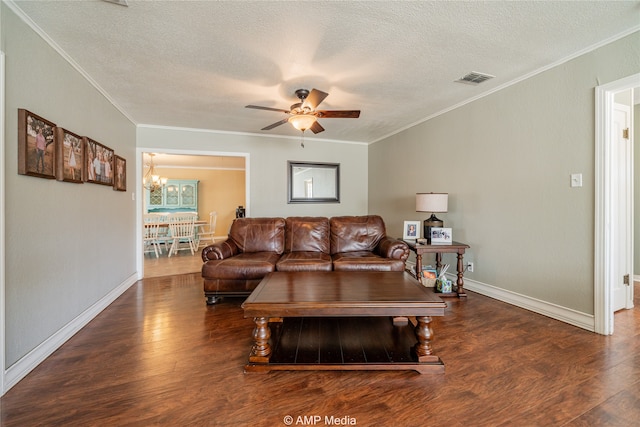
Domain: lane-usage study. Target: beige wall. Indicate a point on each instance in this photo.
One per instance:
(68, 245)
(506, 160)
(218, 190)
(267, 166)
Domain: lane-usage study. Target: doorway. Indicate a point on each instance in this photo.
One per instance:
(221, 181)
(608, 206)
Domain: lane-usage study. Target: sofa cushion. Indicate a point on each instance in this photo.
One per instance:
(258, 234)
(365, 261)
(305, 261)
(356, 233)
(254, 265)
(309, 234)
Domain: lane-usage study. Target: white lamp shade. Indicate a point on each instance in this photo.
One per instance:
(302, 121)
(432, 202)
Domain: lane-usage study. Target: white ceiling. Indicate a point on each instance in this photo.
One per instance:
(196, 64)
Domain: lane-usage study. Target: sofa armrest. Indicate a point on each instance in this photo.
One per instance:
(392, 248)
(220, 250)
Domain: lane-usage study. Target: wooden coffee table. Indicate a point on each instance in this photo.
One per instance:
(342, 321)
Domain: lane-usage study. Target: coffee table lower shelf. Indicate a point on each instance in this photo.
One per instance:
(341, 344)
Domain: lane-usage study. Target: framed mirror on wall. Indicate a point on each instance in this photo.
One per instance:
(313, 182)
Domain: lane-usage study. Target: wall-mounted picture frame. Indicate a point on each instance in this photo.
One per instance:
(313, 182)
(98, 163)
(411, 230)
(36, 145)
(69, 156)
(120, 168)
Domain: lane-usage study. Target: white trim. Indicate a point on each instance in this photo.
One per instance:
(224, 132)
(138, 180)
(39, 31)
(515, 81)
(554, 311)
(602, 287)
(198, 167)
(2, 229)
(26, 364)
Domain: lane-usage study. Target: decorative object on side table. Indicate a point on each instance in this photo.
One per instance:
(453, 248)
(434, 203)
(411, 230)
(441, 236)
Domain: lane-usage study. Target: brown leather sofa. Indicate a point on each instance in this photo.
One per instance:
(258, 246)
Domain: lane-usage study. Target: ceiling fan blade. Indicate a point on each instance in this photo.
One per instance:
(276, 124)
(257, 107)
(339, 114)
(316, 127)
(314, 99)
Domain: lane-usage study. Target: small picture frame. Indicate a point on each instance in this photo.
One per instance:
(411, 230)
(69, 156)
(440, 235)
(120, 168)
(36, 145)
(98, 163)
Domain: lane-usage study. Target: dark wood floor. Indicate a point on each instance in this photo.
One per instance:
(159, 356)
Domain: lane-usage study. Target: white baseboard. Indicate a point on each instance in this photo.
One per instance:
(26, 364)
(554, 311)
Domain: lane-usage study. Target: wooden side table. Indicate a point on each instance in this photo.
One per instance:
(455, 248)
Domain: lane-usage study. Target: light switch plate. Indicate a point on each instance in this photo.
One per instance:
(576, 180)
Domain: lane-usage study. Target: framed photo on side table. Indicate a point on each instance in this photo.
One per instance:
(411, 230)
(442, 236)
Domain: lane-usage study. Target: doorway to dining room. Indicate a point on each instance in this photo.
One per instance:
(215, 182)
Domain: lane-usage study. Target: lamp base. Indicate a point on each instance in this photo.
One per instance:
(430, 222)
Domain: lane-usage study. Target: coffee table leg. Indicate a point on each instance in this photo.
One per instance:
(424, 333)
(261, 350)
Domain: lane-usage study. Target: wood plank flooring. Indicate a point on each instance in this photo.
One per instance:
(181, 263)
(159, 356)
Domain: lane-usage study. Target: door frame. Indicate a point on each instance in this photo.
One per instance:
(140, 195)
(2, 230)
(603, 238)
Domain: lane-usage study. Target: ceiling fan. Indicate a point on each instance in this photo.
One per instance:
(303, 114)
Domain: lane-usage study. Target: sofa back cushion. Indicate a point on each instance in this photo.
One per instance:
(356, 233)
(258, 234)
(306, 234)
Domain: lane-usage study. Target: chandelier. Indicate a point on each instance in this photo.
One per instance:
(152, 181)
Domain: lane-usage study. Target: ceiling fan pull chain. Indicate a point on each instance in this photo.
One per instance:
(302, 140)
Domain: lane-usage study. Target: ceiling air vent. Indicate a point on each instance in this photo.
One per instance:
(474, 78)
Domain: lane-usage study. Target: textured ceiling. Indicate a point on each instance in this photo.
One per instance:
(196, 64)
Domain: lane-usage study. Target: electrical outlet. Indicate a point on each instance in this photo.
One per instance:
(470, 267)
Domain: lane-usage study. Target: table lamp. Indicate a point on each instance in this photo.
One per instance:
(431, 202)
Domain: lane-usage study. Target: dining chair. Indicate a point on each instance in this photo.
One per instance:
(208, 231)
(182, 230)
(150, 238)
(164, 236)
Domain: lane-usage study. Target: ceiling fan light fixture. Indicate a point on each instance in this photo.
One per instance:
(302, 122)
